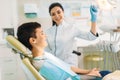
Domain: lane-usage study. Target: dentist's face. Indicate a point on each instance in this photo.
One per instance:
(57, 14)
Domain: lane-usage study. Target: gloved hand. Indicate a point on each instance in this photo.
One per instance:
(93, 12)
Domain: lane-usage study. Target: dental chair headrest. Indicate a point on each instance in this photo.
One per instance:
(20, 48)
(17, 45)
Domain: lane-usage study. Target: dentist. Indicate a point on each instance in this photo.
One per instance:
(60, 37)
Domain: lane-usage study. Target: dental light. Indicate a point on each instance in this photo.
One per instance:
(107, 4)
(107, 9)
(110, 6)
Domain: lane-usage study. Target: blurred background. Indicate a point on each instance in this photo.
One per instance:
(102, 53)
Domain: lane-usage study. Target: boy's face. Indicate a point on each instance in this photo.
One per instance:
(40, 39)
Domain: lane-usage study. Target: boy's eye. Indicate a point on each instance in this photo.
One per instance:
(42, 33)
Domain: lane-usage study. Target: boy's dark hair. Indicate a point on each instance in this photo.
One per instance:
(52, 6)
(27, 30)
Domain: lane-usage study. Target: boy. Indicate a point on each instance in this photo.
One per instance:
(32, 36)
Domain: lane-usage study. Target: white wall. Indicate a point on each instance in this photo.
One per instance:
(8, 16)
(44, 21)
(9, 63)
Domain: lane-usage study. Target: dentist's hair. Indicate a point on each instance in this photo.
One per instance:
(26, 31)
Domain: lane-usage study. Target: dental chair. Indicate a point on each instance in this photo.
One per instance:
(25, 55)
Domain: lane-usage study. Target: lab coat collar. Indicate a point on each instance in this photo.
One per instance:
(62, 24)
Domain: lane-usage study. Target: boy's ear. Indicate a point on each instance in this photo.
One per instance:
(32, 40)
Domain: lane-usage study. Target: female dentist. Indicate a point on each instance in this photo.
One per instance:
(60, 36)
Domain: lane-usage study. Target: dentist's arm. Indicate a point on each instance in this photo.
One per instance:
(93, 28)
(93, 12)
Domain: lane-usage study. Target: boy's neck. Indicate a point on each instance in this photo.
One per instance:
(37, 52)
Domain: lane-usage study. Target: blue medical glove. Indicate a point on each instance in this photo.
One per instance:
(93, 12)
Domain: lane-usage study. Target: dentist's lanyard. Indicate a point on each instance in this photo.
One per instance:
(55, 41)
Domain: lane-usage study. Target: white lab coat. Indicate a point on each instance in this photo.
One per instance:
(61, 40)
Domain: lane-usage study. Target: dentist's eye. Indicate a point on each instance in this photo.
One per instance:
(52, 14)
(58, 12)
